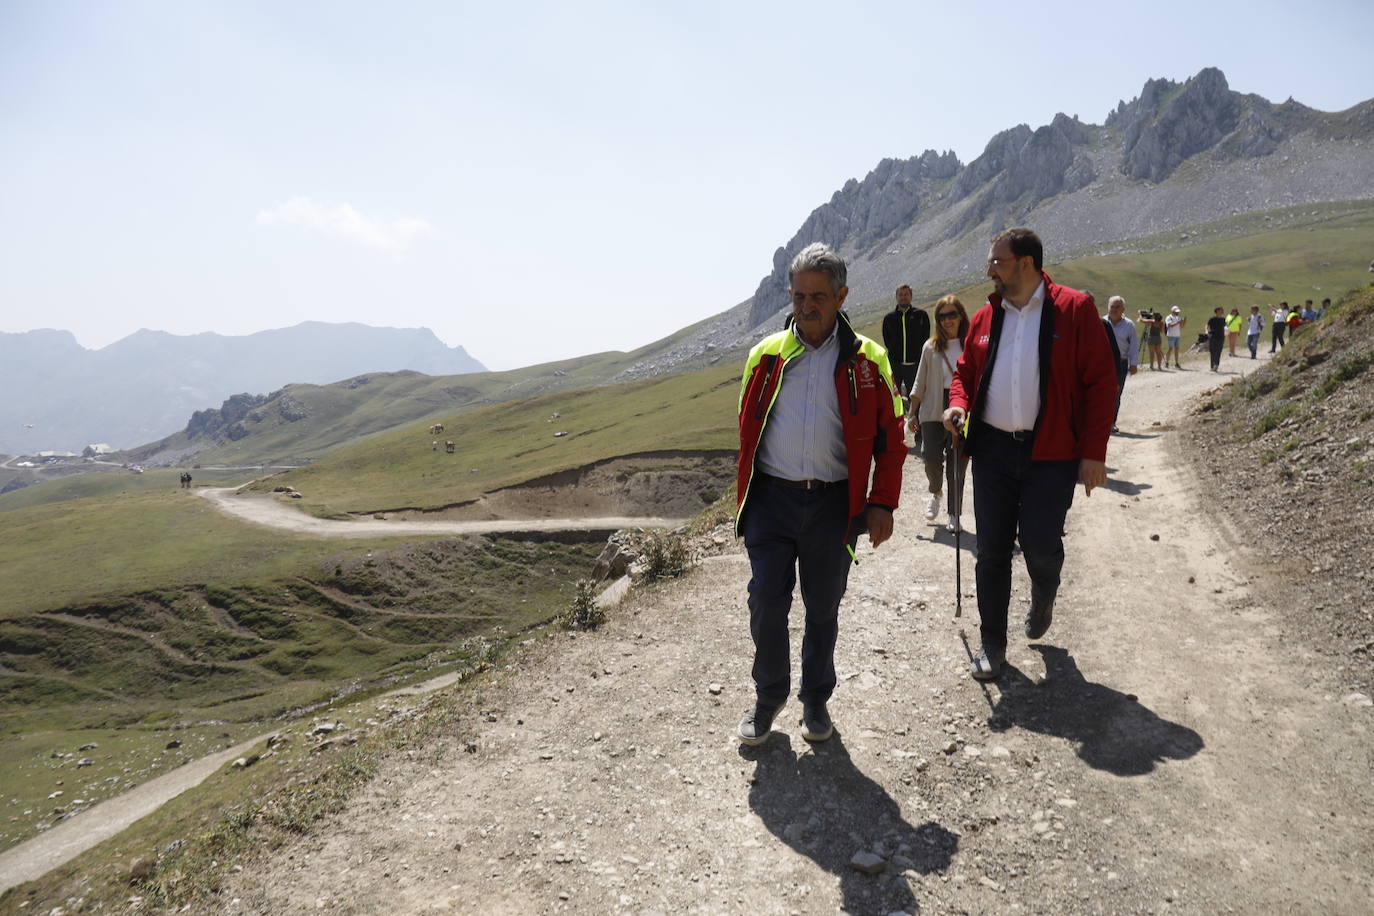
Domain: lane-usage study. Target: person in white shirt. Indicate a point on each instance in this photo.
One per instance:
(1127, 343)
(1254, 325)
(930, 397)
(1173, 333)
(1279, 328)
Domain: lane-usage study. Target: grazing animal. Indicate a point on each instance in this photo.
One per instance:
(436, 429)
(434, 446)
(449, 446)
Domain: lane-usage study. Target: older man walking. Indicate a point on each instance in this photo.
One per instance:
(1033, 394)
(818, 414)
(1128, 347)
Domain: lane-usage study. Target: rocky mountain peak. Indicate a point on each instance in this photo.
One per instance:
(860, 213)
(1170, 122)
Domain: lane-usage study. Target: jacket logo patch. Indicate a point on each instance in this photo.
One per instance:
(866, 374)
(984, 338)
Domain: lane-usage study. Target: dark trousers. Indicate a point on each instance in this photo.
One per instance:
(1214, 345)
(1122, 368)
(904, 377)
(1276, 336)
(787, 530)
(1252, 341)
(1014, 497)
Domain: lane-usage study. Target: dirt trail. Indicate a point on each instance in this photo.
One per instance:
(1160, 749)
(272, 513)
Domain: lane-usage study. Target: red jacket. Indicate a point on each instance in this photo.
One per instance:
(870, 412)
(1077, 377)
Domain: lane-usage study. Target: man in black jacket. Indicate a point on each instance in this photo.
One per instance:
(905, 331)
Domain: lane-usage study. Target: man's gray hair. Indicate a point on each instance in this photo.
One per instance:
(1115, 300)
(818, 256)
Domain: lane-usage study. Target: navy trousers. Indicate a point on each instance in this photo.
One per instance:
(787, 531)
(1123, 369)
(1015, 497)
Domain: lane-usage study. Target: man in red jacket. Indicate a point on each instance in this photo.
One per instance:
(1033, 394)
(818, 413)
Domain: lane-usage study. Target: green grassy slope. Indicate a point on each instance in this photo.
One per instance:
(117, 482)
(1314, 261)
(514, 442)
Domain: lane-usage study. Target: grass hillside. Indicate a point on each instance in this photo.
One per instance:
(117, 482)
(130, 619)
(514, 442)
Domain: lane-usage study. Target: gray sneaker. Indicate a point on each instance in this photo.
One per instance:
(816, 724)
(755, 727)
(988, 665)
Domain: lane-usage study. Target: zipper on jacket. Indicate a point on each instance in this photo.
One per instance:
(762, 407)
(853, 390)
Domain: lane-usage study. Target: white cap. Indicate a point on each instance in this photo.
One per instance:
(1176, 310)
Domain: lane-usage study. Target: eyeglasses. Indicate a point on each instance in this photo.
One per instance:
(948, 316)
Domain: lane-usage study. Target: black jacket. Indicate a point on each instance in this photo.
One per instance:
(906, 349)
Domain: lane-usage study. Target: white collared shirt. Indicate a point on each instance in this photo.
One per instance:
(1013, 398)
(804, 436)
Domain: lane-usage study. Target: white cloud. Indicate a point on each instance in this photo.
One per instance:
(344, 221)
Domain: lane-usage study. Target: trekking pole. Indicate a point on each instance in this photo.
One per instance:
(957, 501)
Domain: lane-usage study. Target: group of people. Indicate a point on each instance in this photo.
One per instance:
(1163, 333)
(1025, 387)
(1286, 321)
(927, 366)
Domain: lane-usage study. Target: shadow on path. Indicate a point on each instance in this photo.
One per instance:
(826, 809)
(1125, 487)
(1114, 732)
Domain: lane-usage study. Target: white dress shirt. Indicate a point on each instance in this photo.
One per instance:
(1013, 398)
(803, 438)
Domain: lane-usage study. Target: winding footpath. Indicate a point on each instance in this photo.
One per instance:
(273, 513)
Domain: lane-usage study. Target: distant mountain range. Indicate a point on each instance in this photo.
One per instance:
(62, 396)
(1177, 156)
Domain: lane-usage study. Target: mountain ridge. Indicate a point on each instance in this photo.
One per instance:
(1175, 156)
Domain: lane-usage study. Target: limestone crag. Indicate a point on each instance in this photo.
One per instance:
(1024, 166)
(861, 213)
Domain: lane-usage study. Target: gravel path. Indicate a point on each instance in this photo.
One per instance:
(273, 513)
(1161, 749)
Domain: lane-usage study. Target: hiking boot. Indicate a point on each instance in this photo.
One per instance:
(755, 727)
(932, 507)
(1038, 617)
(988, 664)
(816, 724)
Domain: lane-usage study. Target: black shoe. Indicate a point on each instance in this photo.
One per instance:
(816, 724)
(1038, 617)
(988, 664)
(756, 726)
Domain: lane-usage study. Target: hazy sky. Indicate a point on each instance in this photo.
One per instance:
(532, 181)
